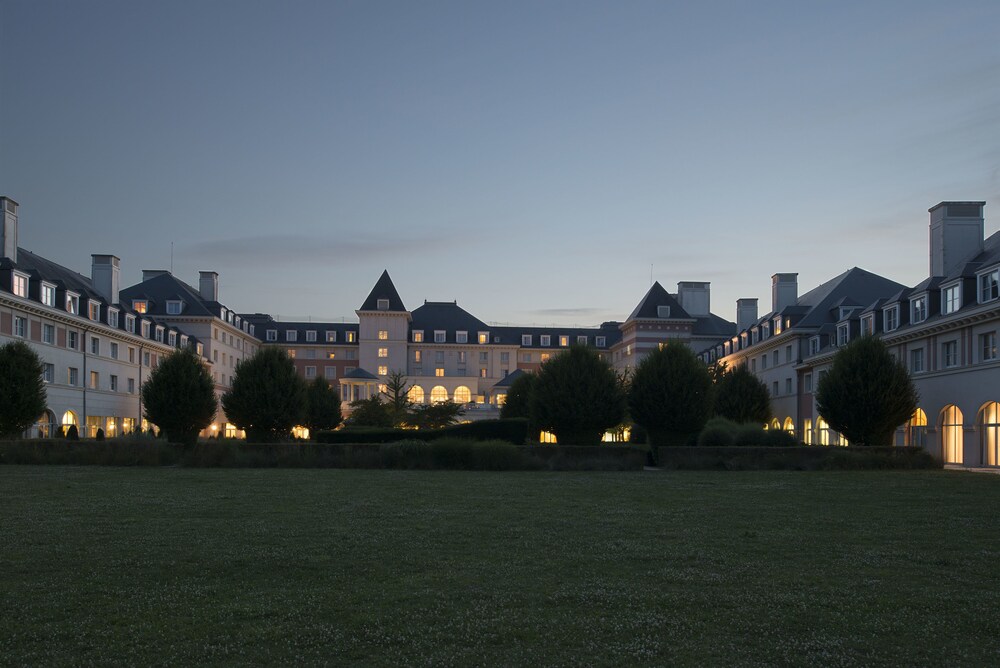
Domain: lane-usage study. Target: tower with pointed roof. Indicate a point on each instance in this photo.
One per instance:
(383, 329)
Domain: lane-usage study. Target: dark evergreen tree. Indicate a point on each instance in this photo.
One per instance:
(671, 395)
(322, 406)
(742, 397)
(396, 397)
(371, 412)
(179, 397)
(577, 396)
(22, 390)
(867, 393)
(267, 397)
(435, 415)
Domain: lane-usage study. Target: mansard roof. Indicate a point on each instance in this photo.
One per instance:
(51, 272)
(851, 288)
(164, 287)
(384, 289)
(448, 316)
(509, 379)
(655, 297)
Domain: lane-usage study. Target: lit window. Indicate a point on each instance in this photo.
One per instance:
(416, 394)
(461, 337)
(383, 335)
(271, 335)
(917, 360)
(20, 287)
(526, 339)
(383, 352)
(918, 309)
(777, 326)
(174, 307)
(331, 336)
(438, 394)
(563, 341)
(48, 294)
(417, 356)
(949, 351)
(544, 357)
(439, 372)
(311, 336)
(95, 380)
(439, 336)
(988, 346)
(352, 336)
(291, 335)
(545, 339)
(484, 337)
(139, 306)
(891, 318)
(462, 395)
(418, 336)
(482, 373)
(291, 352)
(20, 326)
(600, 341)
(950, 299)
(989, 286)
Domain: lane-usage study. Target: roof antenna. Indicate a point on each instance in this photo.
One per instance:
(171, 257)
(650, 268)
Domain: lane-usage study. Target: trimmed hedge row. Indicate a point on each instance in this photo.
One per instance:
(511, 430)
(799, 458)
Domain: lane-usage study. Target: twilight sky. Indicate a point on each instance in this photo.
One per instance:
(533, 160)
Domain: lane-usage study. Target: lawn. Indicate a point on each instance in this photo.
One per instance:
(115, 566)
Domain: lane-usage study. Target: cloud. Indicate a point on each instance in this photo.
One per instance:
(298, 249)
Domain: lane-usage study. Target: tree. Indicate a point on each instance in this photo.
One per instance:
(371, 412)
(267, 397)
(22, 390)
(397, 397)
(179, 396)
(577, 397)
(867, 393)
(742, 397)
(436, 415)
(322, 406)
(671, 395)
(517, 404)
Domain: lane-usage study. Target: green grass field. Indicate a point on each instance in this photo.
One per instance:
(113, 566)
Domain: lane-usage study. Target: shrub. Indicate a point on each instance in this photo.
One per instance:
(267, 397)
(100, 435)
(22, 390)
(72, 433)
(718, 432)
(513, 431)
(671, 395)
(866, 393)
(371, 412)
(179, 396)
(435, 415)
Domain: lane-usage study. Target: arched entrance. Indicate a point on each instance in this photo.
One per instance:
(989, 433)
(916, 429)
(951, 434)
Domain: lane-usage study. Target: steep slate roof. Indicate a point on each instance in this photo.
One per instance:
(712, 325)
(163, 287)
(655, 297)
(263, 322)
(853, 287)
(509, 379)
(51, 272)
(360, 374)
(448, 316)
(511, 335)
(384, 289)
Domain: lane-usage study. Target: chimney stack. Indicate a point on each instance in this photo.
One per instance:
(8, 231)
(695, 297)
(208, 285)
(746, 313)
(152, 273)
(784, 291)
(104, 275)
(956, 235)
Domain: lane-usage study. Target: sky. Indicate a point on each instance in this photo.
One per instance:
(539, 162)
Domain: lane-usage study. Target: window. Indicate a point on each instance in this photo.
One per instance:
(383, 335)
(72, 303)
(271, 335)
(72, 339)
(352, 336)
(462, 395)
(418, 336)
(159, 334)
(753, 365)
(765, 330)
(546, 340)
(438, 394)
(563, 340)
(439, 372)
(482, 373)
(484, 337)
(788, 353)
(544, 357)
(131, 385)
(788, 386)
(439, 336)
(48, 294)
(291, 353)
(114, 383)
(20, 287)
(95, 380)
(600, 341)
(331, 336)
(139, 306)
(291, 335)
(461, 337)
(114, 350)
(130, 324)
(461, 357)
(662, 311)
(172, 339)
(807, 381)
(20, 326)
(383, 352)
(504, 358)
(777, 325)
(48, 334)
(775, 359)
(526, 339)
(330, 372)
(145, 359)
(484, 357)
(891, 318)
(951, 299)
(417, 356)
(310, 372)
(949, 353)
(918, 309)
(988, 346)
(774, 389)
(763, 361)
(917, 360)
(144, 326)
(382, 305)
(989, 286)
(753, 336)
(48, 372)
(113, 317)
(439, 357)
(73, 376)
(843, 335)
(174, 307)
(311, 336)
(868, 325)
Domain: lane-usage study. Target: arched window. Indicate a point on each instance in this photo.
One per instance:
(789, 426)
(439, 394)
(916, 429)
(69, 417)
(462, 395)
(807, 431)
(775, 424)
(46, 423)
(823, 431)
(989, 433)
(951, 434)
(416, 394)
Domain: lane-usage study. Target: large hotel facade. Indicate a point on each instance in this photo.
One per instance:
(99, 341)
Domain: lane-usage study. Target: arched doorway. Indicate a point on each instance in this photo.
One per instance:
(438, 394)
(789, 426)
(416, 394)
(916, 429)
(989, 433)
(951, 434)
(46, 424)
(462, 395)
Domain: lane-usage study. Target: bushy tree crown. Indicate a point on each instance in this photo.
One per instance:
(742, 397)
(671, 395)
(22, 390)
(179, 396)
(267, 397)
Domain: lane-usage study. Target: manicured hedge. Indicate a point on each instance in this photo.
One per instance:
(109, 452)
(511, 430)
(799, 458)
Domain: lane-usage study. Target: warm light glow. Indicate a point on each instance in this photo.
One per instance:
(546, 437)
(462, 395)
(501, 399)
(299, 431)
(68, 418)
(439, 394)
(789, 426)
(951, 434)
(215, 427)
(916, 428)
(383, 335)
(416, 394)
(989, 433)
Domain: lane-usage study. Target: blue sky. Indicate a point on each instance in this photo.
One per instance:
(535, 161)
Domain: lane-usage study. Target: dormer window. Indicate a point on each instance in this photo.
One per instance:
(753, 335)
(382, 305)
(843, 335)
(918, 309)
(174, 307)
(951, 299)
(418, 336)
(172, 339)
(271, 335)
(890, 318)
(765, 331)
(113, 317)
(844, 312)
(777, 326)
(331, 336)
(989, 286)
(439, 336)
(546, 340)
(868, 325)
(526, 339)
(814, 345)
(184, 340)
(48, 294)
(352, 336)
(145, 329)
(563, 340)
(311, 336)
(484, 337)
(20, 285)
(130, 324)
(582, 340)
(291, 335)
(139, 306)
(600, 341)
(662, 311)
(200, 348)
(159, 334)
(93, 310)
(461, 337)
